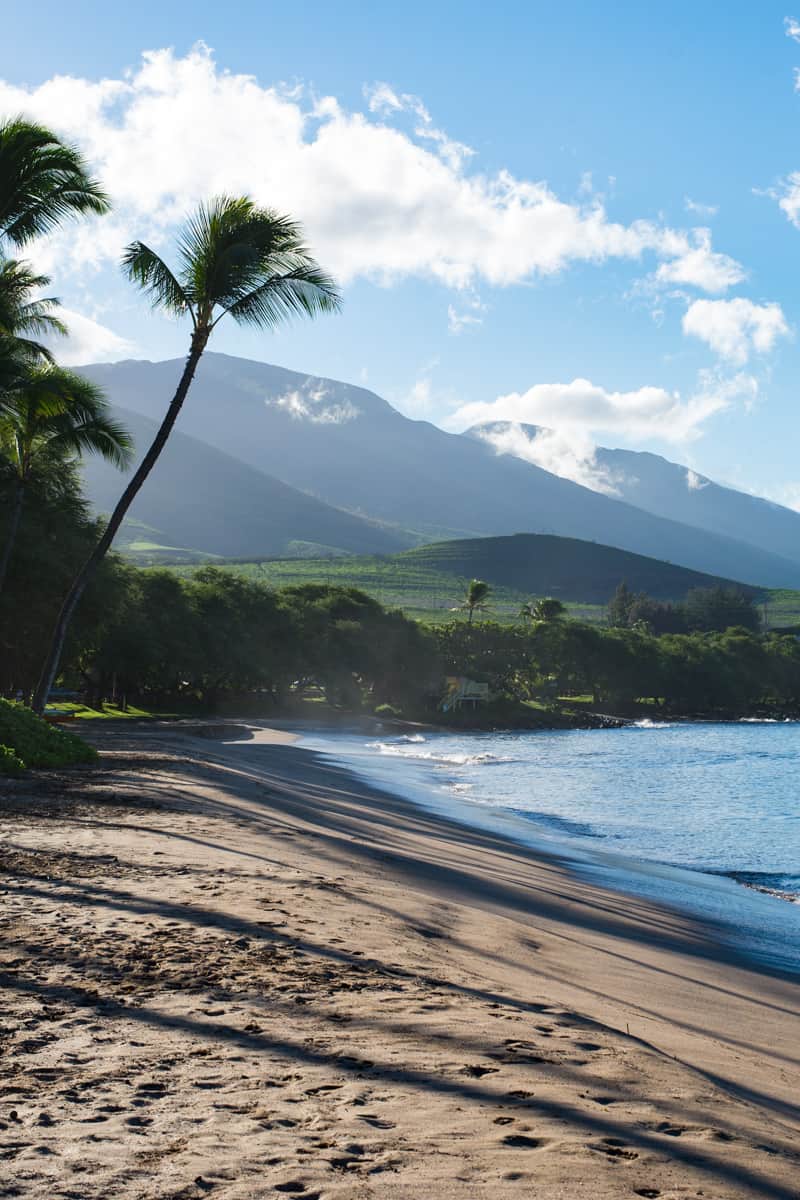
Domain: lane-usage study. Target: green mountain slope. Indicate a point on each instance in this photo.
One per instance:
(200, 501)
(569, 569)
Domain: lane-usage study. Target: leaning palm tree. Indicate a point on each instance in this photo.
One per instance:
(475, 599)
(52, 416)
(236, 260)
(42, 181)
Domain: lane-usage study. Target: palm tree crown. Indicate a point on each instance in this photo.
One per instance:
(476, 597)
(235, 259)
(42, 181)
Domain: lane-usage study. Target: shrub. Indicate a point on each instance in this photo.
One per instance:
(31, 742)
(387, 710)
(9, 763)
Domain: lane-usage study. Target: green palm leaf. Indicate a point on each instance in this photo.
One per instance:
(42, 181)
(146, 269)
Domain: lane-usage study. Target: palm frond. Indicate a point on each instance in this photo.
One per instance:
(305, 291)
(32, 352)
(55, 410)
(37, 317)
(23, 319)
(235, 258)
(100, 435)
(42, 181)
(149, 271)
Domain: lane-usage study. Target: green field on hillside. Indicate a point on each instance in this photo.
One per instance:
(404, 582)
(396, 582)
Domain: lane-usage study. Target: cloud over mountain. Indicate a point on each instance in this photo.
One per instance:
(646, 412)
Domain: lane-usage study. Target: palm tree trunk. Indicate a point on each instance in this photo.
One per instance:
(13, 528)
(50, 668)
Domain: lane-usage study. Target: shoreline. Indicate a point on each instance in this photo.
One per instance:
(756, 934)
(377, 1001)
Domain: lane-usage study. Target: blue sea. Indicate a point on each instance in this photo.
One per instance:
(702, 816)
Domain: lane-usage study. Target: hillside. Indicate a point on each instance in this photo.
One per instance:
(199, 500)
(669, 489)
(352, 450)
(429, 583)
(540, 565)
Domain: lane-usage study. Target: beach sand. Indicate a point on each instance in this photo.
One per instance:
(234, 970)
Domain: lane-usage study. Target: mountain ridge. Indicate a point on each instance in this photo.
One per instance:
(349, 448)
(655, 484)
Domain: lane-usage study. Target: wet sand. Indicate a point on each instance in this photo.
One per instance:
(233, 970)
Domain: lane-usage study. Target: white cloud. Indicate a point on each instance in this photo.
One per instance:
(308, 404)
(377, 201)
(582, 406)
(699, 209)
(789, 197)
(701, 267)
(89, 341)
(568, 453)
(787, 494)
(468, 314)
(695, 482)
(792, 28)
(417, 402)
(735, 328)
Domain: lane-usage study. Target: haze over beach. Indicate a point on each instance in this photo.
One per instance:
(399, 602)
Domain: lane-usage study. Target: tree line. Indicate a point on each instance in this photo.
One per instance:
(215, 640)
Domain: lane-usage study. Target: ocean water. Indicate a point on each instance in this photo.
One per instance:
(703, 816)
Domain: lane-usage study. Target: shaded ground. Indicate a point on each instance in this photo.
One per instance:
(234, 971)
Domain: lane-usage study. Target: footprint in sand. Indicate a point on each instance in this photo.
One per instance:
(521, 1141)
(614, 1148)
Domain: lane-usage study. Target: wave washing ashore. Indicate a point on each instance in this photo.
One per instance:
(682, 813)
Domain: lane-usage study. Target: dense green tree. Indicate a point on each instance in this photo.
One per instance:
(720, 608)
(52, 415)
(548, 609)
(58, 533)
(619, 606)
(234, 260)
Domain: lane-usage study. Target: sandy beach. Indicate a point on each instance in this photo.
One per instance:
(231, 969)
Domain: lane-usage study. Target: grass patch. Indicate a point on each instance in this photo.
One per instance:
(28, 741)
(109, 712)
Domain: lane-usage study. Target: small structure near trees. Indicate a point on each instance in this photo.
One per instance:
(461, 692)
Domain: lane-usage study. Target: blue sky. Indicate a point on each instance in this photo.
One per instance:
(513, 197)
